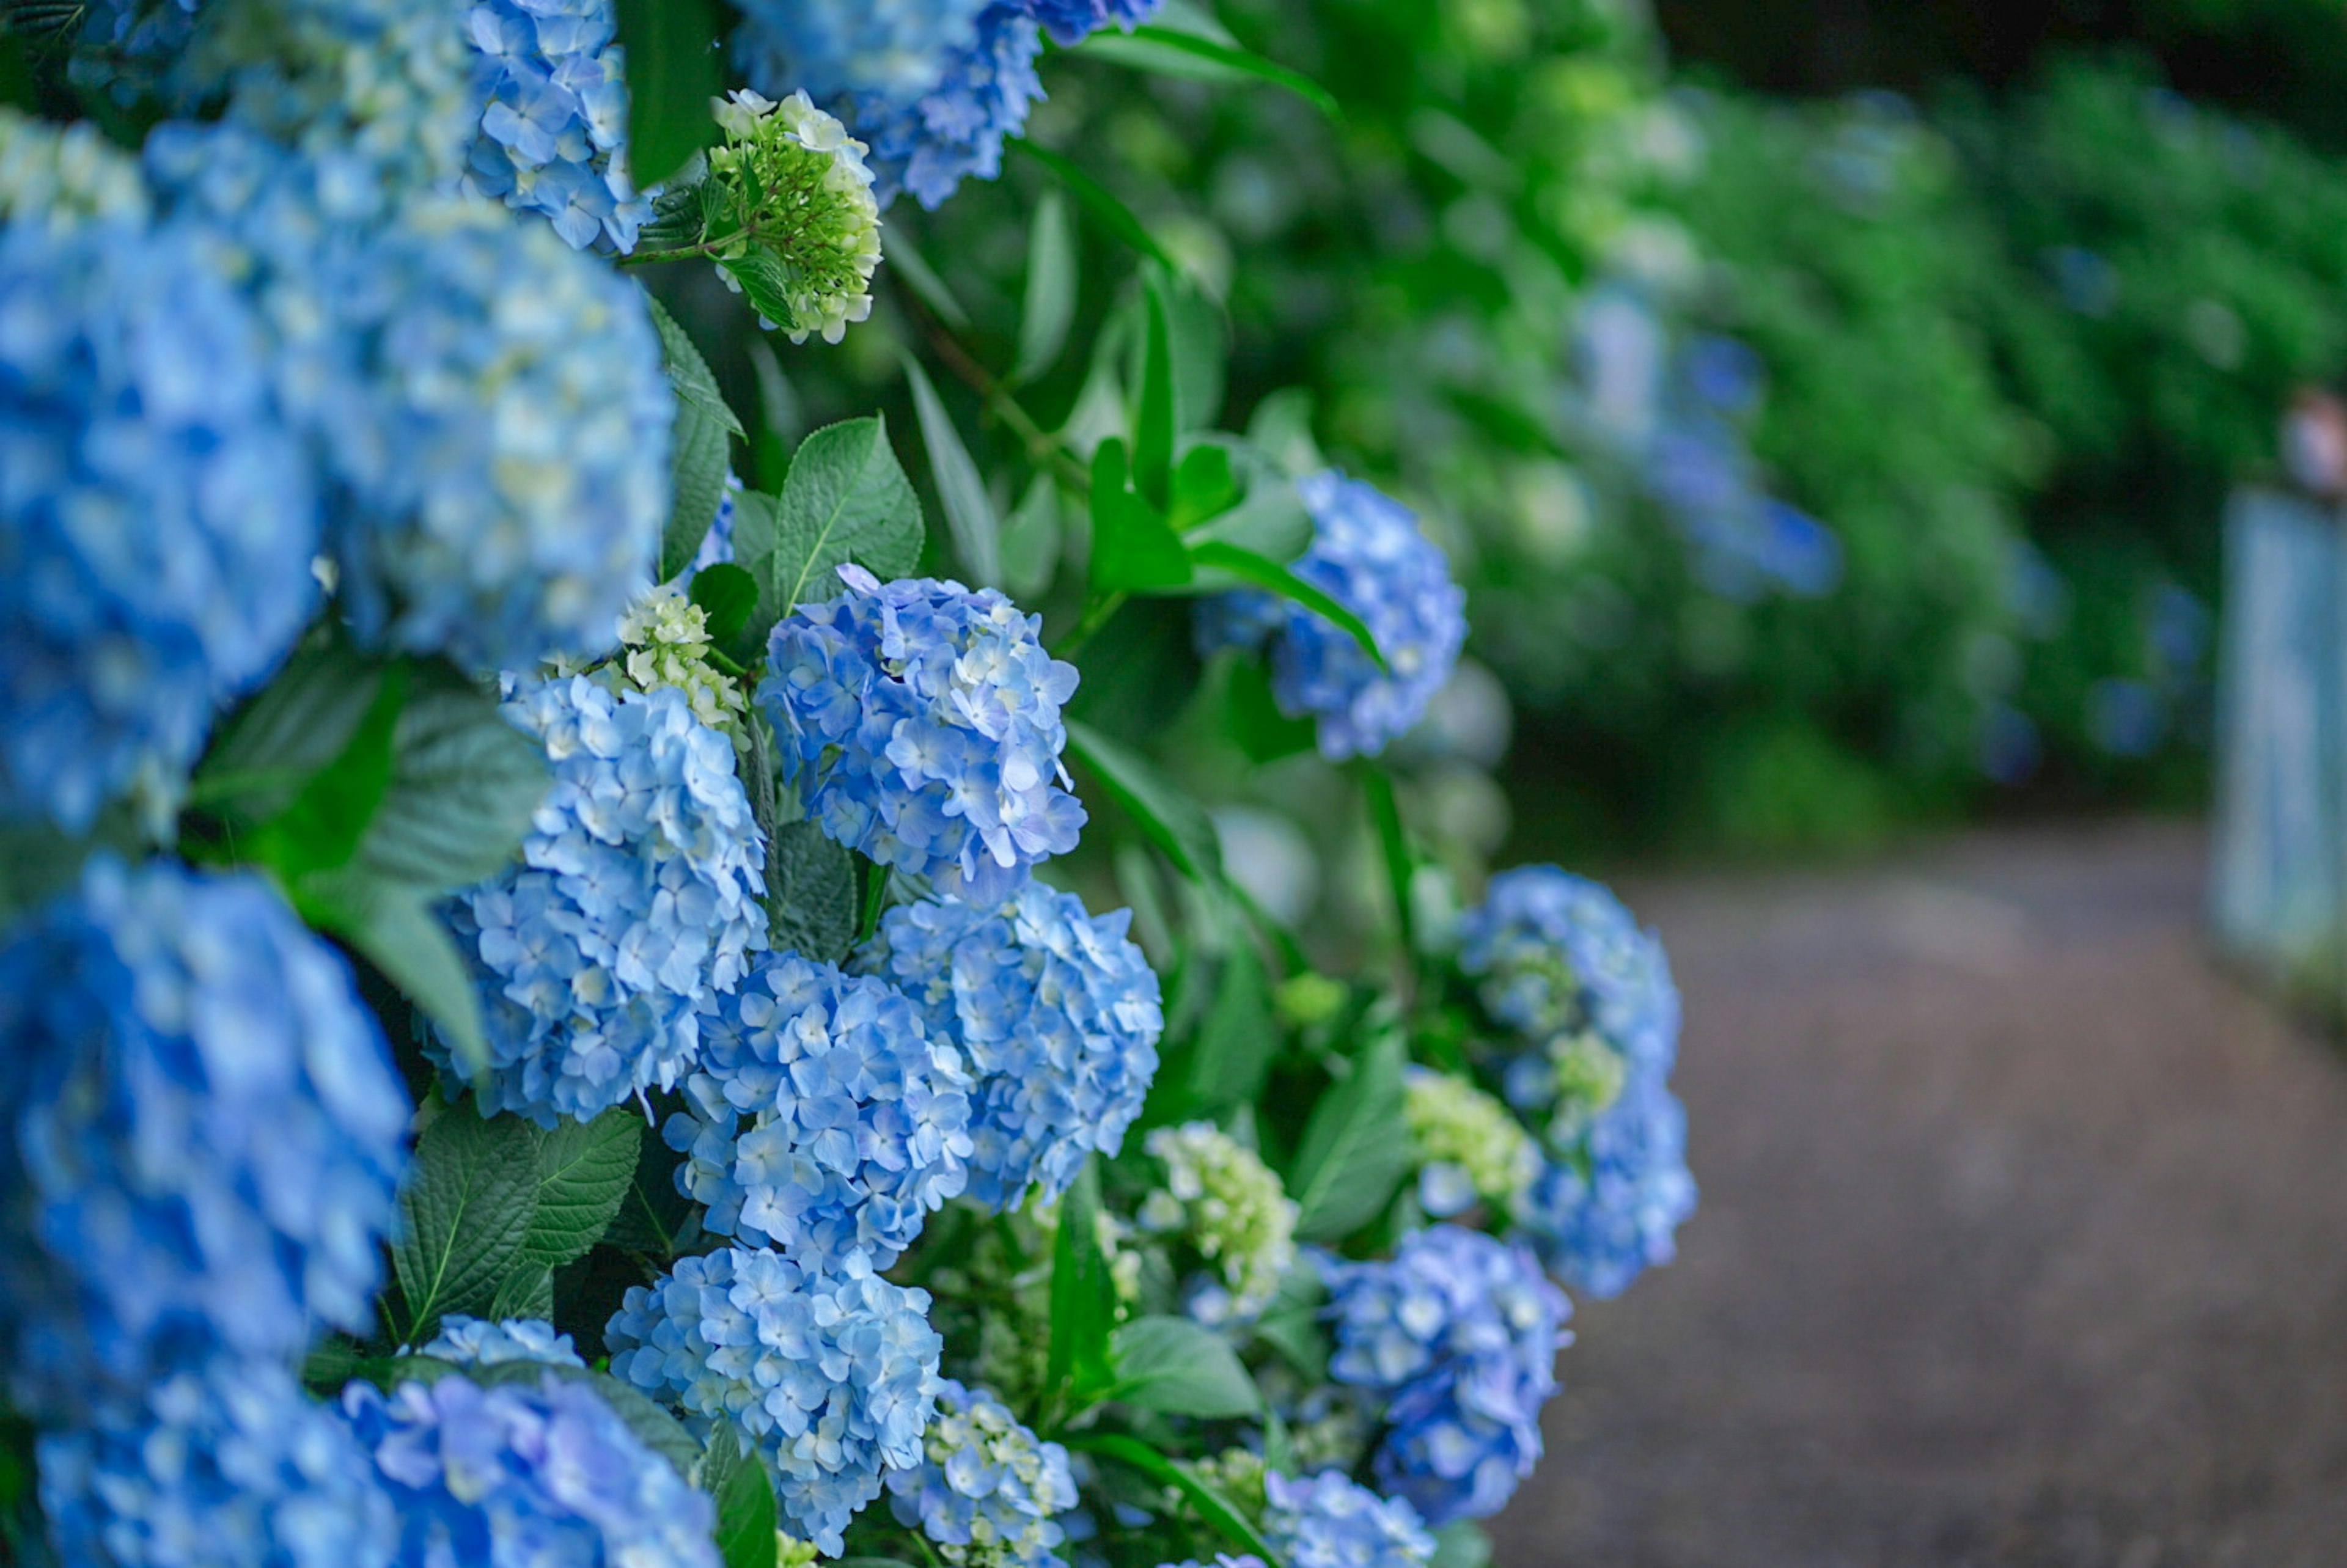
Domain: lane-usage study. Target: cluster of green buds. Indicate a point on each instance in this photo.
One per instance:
(792, 220)
(1588, 1073)
(1230, 1206)
(666, 637)
(1466, 1145)
(62, 175)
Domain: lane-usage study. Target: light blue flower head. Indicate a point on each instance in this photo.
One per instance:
(551, 88)
(896, 47)
(158, 514)
(1331, 1520)
(834, 1375)
(1602, 1213)
(1222, 1560)
(478, 1342)
(989, 1492)
(634, 900)
(1368, 556)
(920, 722)
(1058, 1013)
(231, 1467)
(521, 1475)
(822, 1118)
(929, 145)
(1069, 22)
(1457, 1333)
(201, 1134)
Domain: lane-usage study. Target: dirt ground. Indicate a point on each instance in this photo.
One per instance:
(2023, 1239)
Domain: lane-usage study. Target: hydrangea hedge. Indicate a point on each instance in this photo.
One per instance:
(558, 1007)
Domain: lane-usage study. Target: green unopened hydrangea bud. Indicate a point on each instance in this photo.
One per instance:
(1588, 1077)
(1466, 1144)
(1230, 1205)
(63, 174)
(798, 191)
(1307, 999)
(666, 636)
(1237, 1474)
(790, 1552)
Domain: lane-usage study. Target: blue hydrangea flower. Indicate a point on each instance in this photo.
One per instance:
(989, 1492)
(920, 722)
(896, 47)
(551, 85)
(517, 1475)
(478, 1342)
(158, 515)
(1070, 22)
(929, 145)
(1604, 1211)
(834, 1375)
(1458, 1334)
(233, 1467)
(1058, 1012)
(1367, 555)
(1222, 1560)
(821, 1118)
(202, 1134)
(1331, 1520)
(636, 896)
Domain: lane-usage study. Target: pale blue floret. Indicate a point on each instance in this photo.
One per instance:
(519, 1475)
(1331, 1520)
(634, 900)
(833, 1376)
(1457, 1333)
(821, 1118)
(1367, 554)
(1606, 1212)
(158, 514)
(200, 1133)
(921, 723)
(989, 1493)
(234, 1467)
(550, 85)
(1058, 1013)
(478, 1342)
(896, 47)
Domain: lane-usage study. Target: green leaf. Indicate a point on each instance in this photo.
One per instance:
(734, 1473)
(1031, 540)
(291, 728)
(1203, 486)
(672, 73)
(464, 783)
(1237, 1039)
(908, 264)
(700, 452)
(846, 499)
(811, 879)
(527, 1292)
(1264, 733)
(321, 827)
(654, 1218)
(1264, 573)
(766, 283)
(1356, 1146)
(1168, 53)
(688, 372)
(1181, 1368)
(394, 927)
(969, 513)
(1393, 849)
(1271, 522)
(584, 1170)
(464, 1215)
(753, 551)
(1295, 1324)
(728, 597)
(1050, 308)
(1156, 424)
(1217, 1509)
(1167, 817)
(1083, 1298)
(1097, 199)
(1133, 547)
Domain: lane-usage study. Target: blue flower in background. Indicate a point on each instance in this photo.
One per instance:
(894, 47)
(1724, 374)
(477, 1342)
(834, 1375)
(987, 1493)
(1058, 1013)
(1070, 22)
(200, 1139)
(158, 515)
(2124, 717)
(1458, 1334)
(523, 1474)
(233, 1467)
(821, 1117)
(1369, 555)
(551, 84)
(920, 722)
(635, 898)
(929, 145)
(1602, 1212)
(1331, 1520)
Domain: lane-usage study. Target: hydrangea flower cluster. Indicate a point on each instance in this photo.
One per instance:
(834, 1375)
(1230, 1205)
(1467, 1146)
(223, 1468)
(60, 176)
(158, 516)
(1222, 1560)
(519, 1474)
(821, 1119)
(666, 639)
(552, 94)
(201, 1137)
(1058, 1012)
(1331, 1520)
(987, 1493)
(798, 189)
(920, 722)
(1368, 556)
(896, 47)
(1459, 1333)
(634, 899)
(1607, 1212)
(478, 1342)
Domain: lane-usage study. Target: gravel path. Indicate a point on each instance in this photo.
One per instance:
(2023, 1239)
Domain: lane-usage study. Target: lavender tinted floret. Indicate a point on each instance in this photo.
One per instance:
(989, 1492)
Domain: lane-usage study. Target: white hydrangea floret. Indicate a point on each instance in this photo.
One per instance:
(1220, 1196)
(666, 637)
(1466, 1144)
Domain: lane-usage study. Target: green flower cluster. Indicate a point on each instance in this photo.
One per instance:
(1466, 1144)
(1225, 1201)
(797, 196)
(666, 639)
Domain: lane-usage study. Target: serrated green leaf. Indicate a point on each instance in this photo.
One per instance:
(584, 1170)
(1097, 199)
(1165, 52)
(728, 597)
(734, 1473)
(847, 498)
(1260, 571)
(671, 50)
(970, 514)
(321, 827)
(1166, 816)
(700, 457)
(812, 881)
(1049, 307)
(688, 370)
(527, 1292)
(464, 1215)
(766, 283)
(1133, 547)
(1356, 1146)
(1179, 1367)
(288, 730)
(654, 1218)
(464, 783)
(394, 927)
(1083, 1298)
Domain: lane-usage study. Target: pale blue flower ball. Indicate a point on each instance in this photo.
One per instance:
(1331, 1520)
(157, 513)
(834, 1375)
(989, 1493)
(231, 1467)
(1058, 1013)
(1604, 1213)
(201, 1134)
(929, 145)
(551, 87)
(1367, 554)
(478, 1342)
(518, 1475)
(920, 722)
(896, 47)
(1553, 954)
(635, 898)
(1457, 1333)
(821, 1118)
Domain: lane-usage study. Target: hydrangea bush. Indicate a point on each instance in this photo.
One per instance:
(475, 1025)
